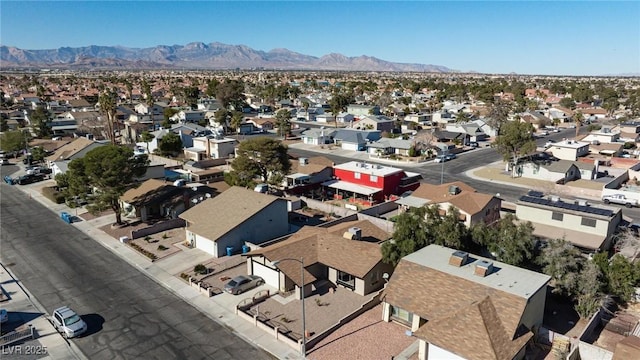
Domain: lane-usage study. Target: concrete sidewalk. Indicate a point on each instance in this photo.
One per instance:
(219, 308)
(23, 308)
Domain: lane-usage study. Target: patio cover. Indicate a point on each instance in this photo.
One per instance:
(347, 186)
(297, 176)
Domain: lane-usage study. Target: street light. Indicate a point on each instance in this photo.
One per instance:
(304, 326)
(443, 159)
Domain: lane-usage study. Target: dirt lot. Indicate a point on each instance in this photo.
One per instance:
(155, 243)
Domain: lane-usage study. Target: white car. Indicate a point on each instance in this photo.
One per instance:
(619, 199)
(68, 322)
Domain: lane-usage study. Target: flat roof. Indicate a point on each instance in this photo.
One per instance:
(600, 210)
(511, 279)
(347, 186)
(571, 144)
(363, 167)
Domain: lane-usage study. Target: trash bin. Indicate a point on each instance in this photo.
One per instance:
(229, 250)
(245, 249)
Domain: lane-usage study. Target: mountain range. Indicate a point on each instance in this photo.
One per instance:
(197, 55)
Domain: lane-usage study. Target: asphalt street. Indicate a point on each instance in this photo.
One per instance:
(129, 315)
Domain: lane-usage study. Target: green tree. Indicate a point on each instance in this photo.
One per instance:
(212, 86)
(41, 121)
(508, 241)
(236, 120)
(578, 118)
(107, 101)
(515, 140)
(38, 153)
(230, 92)
(170, 144)
(111, 170)
(191, 95)
(169, 112)
(222, 117)
(13, 140)
(621, 277)
(283, 121)
(147, 137)
(568, 103)
(261, 157)
(563, 262)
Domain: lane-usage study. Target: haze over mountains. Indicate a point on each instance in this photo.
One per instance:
(198, 55)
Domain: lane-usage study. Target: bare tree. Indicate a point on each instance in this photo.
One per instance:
(107, 101)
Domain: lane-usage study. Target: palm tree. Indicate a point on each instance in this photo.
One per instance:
(578, 117)
(236, 120)
(107, 101)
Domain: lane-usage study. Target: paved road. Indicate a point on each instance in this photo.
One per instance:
(129, 315)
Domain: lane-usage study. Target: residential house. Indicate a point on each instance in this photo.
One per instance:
(593, 113)
(211, 146)
(355, 140)
(155, 111)
(75, 149)
(80, 105)
(194, 116)
(474, 207)
(223, 224)
(262, 124)
(346, 255)
(630, 131)
(369, 183)
(535, 118)
(187, 132)
(588, 226)
(558, 112)
(604, 135)
(568, 149)
(154, 199)
(363, 110)
(387, 146)
(463, 306)
(318, 136)
(308, 173)
(560, 171)
(472, 131)
(421, 119)
(375, 122)
(483, 125)
(608, 150)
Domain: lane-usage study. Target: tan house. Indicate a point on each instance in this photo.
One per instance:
(210, 146)
(463, 306)
(75, 149)
(223, 224)
(308, 172)
(474, 207)
(569, 149)
(347, 255)
(588, 226)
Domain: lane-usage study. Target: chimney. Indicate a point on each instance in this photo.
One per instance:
(483, 268)
(356, 232)
(454, 190)
(459, 258)
(303, 161)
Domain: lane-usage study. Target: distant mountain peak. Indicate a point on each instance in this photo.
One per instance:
(214, 55)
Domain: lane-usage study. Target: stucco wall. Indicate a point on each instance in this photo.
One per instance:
(569, 221)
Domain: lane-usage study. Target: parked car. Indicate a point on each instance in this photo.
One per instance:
(31, 170)
(29, 179)
(4, 161)
(473, 144)
(619, 199)
(441, 158)
(242, 283)
(4, 316)
(68, 322)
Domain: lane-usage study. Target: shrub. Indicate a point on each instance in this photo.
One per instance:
(165, 236)
(52, 194)
(147, 238)
(146, 253)
(200, 269)
(162, 247)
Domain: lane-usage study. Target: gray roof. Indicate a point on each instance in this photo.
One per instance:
(215, 217)
(560, 166)
(356, 136)
(391, 143)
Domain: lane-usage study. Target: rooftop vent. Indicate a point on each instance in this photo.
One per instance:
(581, 202)
(459, 258)
(483, 268)
(554, 198)
(303, 161)
(356, 232)
(454, 190)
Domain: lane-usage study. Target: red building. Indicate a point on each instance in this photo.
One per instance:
(370, 183)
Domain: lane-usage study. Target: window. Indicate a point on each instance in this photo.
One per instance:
(375, 277)
(357, 175)
(401, 315)
(373, 178)
(588, 222)
(557, 216)
(347, 280)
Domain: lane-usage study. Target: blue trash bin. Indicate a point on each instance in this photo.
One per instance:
(245, 249)
(229, 250)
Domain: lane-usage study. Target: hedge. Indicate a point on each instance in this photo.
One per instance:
(52, 194)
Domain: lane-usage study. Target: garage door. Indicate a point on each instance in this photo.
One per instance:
(270, 276)
(205, 244)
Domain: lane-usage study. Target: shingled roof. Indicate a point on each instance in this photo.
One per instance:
(150, 190)
(467, 200)
(328, 246)
(472, 316)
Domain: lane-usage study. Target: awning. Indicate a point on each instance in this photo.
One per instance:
(195, 150)
(298, 176)
(607, 152)
(64, 127)
(412, 201)
(354, 188)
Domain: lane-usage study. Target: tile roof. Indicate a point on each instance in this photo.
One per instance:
(217, 216)
(467, 200)
(328, 246)
(315, 165)
(69, 149)
(627, 348)
(149, 190)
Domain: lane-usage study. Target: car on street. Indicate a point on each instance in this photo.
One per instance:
(242, 283)
(619, 199)
(29, 179)
(4, 316)
(4, 161)
(68, 322)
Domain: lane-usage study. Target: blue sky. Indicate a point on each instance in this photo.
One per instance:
(541, 37)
